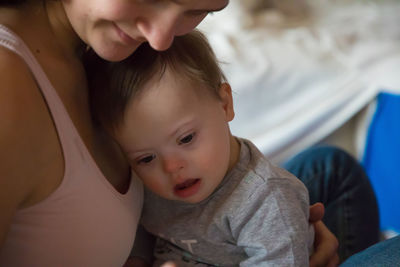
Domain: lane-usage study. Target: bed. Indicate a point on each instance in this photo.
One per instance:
(311, 72)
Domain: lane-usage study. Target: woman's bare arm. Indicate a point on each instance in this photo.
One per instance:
(24, 142)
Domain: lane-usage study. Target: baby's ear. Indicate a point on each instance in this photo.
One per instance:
(225, 93)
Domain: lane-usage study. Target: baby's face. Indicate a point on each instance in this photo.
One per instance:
(177, 139)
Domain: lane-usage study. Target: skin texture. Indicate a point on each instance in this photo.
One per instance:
(177, 139)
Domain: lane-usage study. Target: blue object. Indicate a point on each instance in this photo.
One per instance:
(382, 159)
(385, 253)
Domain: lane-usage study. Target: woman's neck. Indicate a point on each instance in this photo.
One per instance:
(35, 21)
(62, 29)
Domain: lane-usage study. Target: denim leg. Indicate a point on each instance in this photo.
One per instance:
(385, 253)
(336, 179)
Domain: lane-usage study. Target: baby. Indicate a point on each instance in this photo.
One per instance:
(211, 198)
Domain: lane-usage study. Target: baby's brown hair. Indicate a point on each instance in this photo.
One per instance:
(112, 85)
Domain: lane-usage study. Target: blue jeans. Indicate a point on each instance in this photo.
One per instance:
(386, 253)
(336, 179)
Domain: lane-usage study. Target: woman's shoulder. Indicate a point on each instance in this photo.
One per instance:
(18, 89)
(13, 70)
(27, 135)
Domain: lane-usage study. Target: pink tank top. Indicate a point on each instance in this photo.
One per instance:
(85, 221)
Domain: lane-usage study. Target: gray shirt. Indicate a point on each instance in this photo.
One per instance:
(257, 216)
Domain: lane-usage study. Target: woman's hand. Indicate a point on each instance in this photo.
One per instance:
(325, 243)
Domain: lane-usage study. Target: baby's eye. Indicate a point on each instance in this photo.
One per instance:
(146, 159)
(187, 139)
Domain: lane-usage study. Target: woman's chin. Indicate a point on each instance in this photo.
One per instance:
(117, 53)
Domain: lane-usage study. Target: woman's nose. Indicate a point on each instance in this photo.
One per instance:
(159, 31)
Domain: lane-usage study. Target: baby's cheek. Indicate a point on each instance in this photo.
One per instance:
(141, 174)
(215, 158)
(156, 182)
(153, 186)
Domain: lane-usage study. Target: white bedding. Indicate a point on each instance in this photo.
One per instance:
(295, 85)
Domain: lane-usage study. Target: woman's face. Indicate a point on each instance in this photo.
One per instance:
(115, 28)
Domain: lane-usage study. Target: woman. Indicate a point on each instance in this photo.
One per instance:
(67, 195)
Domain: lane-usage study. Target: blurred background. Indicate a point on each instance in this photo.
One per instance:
(314, 72)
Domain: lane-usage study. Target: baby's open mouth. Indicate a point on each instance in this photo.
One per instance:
(186, 184)
(187, 188)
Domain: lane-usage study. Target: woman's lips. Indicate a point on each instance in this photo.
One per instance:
(125, 38)
(187, 188)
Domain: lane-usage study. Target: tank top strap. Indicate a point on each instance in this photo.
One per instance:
(64, 125)
(73, 147)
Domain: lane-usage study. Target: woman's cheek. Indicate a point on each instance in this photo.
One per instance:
(114, 10)
(188, 24)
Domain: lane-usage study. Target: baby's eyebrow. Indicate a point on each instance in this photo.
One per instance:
(183, 125)
(135, 154)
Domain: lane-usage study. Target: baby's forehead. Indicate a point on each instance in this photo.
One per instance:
(177, 75)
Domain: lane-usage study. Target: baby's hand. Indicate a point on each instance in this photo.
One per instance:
(325, 243)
